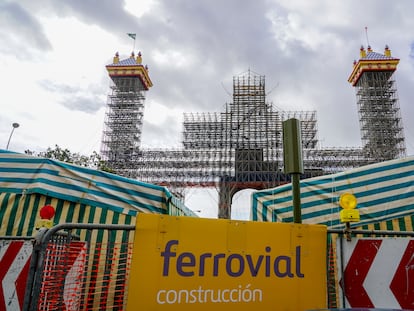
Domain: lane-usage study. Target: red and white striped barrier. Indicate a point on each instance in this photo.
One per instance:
(378, 273)
(14, 266)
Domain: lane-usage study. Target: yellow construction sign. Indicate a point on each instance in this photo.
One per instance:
(185, 263)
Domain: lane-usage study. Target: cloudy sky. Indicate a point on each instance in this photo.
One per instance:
(53, 55)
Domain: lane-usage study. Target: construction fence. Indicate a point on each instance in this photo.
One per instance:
(353, 260)
(87, 266)
(68, 267)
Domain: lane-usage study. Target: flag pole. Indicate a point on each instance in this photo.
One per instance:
(133, 36)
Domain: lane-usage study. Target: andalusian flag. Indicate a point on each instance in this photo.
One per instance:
(132, 35)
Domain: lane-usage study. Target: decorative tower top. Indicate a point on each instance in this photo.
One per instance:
(387, 51)
(372, 61)
(139, 58)
(130, 67)
(116, 58)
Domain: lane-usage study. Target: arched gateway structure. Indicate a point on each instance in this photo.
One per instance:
(232, 150)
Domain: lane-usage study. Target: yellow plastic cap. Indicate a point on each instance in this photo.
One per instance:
(347, 201)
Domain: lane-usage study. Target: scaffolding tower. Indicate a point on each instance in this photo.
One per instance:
(379, 112)
(238, 148)
(125, 111)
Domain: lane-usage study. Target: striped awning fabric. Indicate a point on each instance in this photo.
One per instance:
(384, 191)
(23, 174)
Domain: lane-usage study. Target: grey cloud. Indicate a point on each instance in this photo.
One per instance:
(222, 42)
(57, 87)
(107, 14)
(20, 32)
(221, 45)
(75, 98)
(308, 53)
(85, 103)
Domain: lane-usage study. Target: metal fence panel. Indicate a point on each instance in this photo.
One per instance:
(80, 267)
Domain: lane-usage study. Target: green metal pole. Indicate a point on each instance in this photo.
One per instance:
(297, 214)
(292, 158)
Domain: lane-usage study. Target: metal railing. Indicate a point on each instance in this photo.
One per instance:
(80, 267)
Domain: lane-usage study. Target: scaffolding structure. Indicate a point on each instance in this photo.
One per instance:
(121, 137)
(379, 112)
(236, 149)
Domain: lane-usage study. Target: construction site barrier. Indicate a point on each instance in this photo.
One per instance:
(335, 243)
(87, 267)
(80, 267)
(15, 255)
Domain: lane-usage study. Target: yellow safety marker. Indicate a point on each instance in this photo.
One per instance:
(349, 213)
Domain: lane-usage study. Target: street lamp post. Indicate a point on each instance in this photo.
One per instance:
(15, 126)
